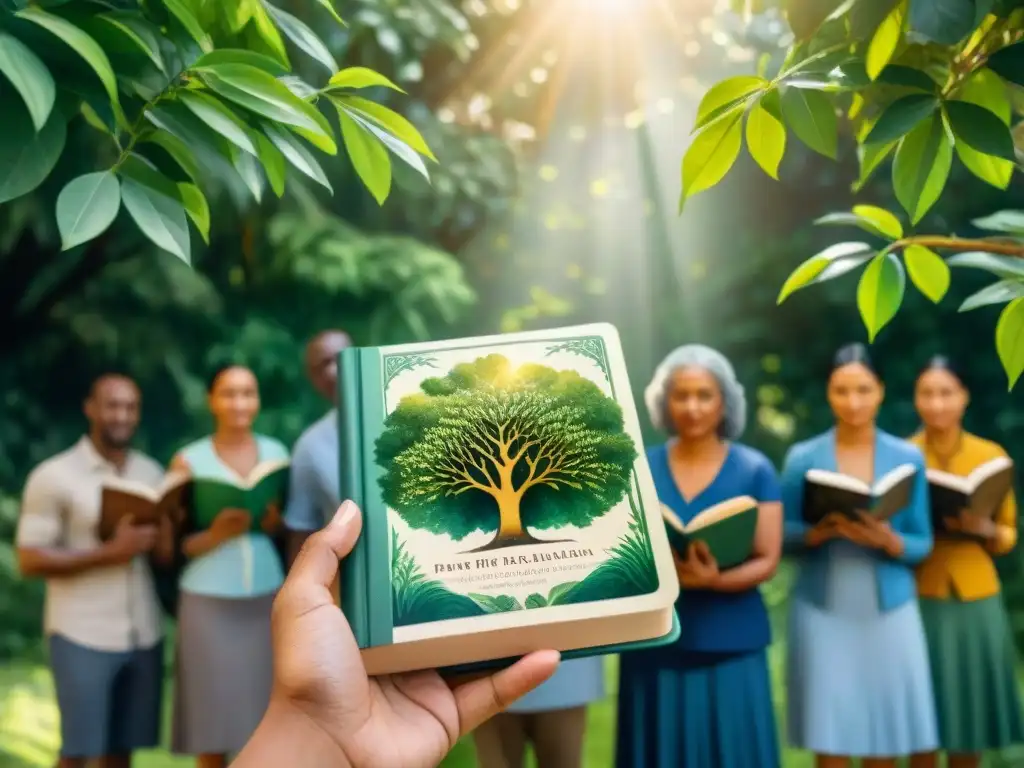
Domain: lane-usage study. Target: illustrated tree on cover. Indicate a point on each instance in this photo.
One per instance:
(495, 447)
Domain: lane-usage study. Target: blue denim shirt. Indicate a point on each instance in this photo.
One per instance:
(313, 492)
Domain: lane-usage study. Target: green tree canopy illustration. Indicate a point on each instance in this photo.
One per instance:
(496, 447)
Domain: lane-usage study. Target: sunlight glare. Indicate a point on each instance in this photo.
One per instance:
(606, 7)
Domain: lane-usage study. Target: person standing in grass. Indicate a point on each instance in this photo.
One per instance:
(705, 701)
(102, 619)
(973, 659)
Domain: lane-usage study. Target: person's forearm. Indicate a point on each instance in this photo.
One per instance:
(755, 571)
(55, 563)
(198, 544)
(285, 736)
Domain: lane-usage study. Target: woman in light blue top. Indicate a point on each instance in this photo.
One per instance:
(858, 683)
(227, 588)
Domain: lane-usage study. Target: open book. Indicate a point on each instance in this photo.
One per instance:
(727, 528)
(456, 567)
(827, 492)
(265, 484)
(121, 497)
(979, 493)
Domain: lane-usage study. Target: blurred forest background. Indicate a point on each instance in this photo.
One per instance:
(553, 203)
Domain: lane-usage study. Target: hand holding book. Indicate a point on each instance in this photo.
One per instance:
(230, 524)
(866, 530)
(971, 524)
(699, 570)
(130, 540)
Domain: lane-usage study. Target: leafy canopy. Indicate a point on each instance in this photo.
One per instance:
(919, 85)
(186, 92)
(558, 437)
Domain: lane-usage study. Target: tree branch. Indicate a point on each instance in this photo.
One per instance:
(1002, 247)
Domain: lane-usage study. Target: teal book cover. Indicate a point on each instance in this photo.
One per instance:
(727, 528)
(507, 504)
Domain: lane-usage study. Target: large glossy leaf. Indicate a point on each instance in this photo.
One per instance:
(138, 32)
(921, 167)
(766, 139)
(927, 271)
(179, 151)
(812, 268)
(901, 117)
(1009, 63)
(871, 156)
(30, 78)
(997, 293)
(877, 221)
(388, 119)
(27, 156)
(361, 77)
(1010, 340)
(161, 218)
(712, 153)
(197, 208)
(1000, 266)
(1003, 221)
(180, 11)
(885, 40)
(980, 129)
(812, 117)
(273, 163)
(238, 56)
(401, 150)
(86, 207)
(945, 22)
(220, 118)
(986, 89)
(305, 38)
(880, 292)
(250, 171)
(725, 95)
(296, 154)
(368, 156)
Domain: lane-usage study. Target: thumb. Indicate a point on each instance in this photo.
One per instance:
(317, 562)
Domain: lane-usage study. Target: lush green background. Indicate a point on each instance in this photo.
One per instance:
(576, 224)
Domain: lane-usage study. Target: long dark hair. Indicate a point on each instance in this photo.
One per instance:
(943, 363)
(857, 352)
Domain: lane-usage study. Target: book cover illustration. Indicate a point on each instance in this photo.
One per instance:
(264, 485)
(727, 528)
(827, 492)
(508, 474)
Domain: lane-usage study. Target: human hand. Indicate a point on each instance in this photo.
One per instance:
(324, 709)
(869, 531)
(272, 522)
(974, 525)
(699, 570)
(825, 530)
(130, 540)
(229, 524)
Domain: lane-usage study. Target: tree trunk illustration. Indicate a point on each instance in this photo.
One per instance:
(511, 532)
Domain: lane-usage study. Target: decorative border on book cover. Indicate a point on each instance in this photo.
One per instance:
(556, 443)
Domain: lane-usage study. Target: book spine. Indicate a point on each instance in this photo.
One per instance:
(354, 603)
(376, 528)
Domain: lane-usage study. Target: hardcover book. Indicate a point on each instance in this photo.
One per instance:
(727, 528)
(981, 493)
(121, 497)
(506, 504)
(828, 492)
(266, 484)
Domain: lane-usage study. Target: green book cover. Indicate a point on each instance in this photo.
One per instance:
(267, 484)
(506, 502)
(727, 528)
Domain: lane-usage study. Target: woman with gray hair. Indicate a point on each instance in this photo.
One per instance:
(705, 701)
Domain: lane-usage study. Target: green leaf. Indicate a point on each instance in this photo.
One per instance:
(237, 56)
(196, 207)
(1010, 340)
(260, 93)
(360, 77)
(305, 38)
(266, 33)
(297, 154)
(27, 156)
(880, 292)
(921, 167)
(987, 90)
(178, 150)
(900, 117)
(997, 293)
(273, 163)
(220, 118)
(725, 95)
(712, 153)
(86, 207)
(766, 139)
(907, 77)
(136, 30)
(402, 150)
(980, 129)
(808, 271)
(1008, 62)
(812, 117)
(883, 221)
(927, 271)
(1002, 221)
(1000, 266)
(945, 22)
(30, 78)
(248, 169)
(388, 119)
(81, 44)
(187, 19)
(159, 217)
(871, 156)
(884, 42)
(368, 157)
(329, 6)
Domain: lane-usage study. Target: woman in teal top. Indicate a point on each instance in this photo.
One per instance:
(227, 587)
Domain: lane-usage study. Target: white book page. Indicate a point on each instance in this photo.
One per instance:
(893, 477)
(134, 487)
(837, 480)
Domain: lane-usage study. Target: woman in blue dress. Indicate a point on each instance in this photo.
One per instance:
(705, 701)
(858, 680)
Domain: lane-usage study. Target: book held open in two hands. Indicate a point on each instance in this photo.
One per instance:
(146, 505)
(827, 492)
(506, 505)
(266, 483)
(727, 528)
(980, 493)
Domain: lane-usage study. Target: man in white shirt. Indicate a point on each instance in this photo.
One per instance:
(102, 619)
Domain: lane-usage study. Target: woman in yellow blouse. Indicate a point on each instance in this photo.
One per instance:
(969, 640)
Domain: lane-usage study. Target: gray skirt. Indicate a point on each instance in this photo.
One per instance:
(223, 672)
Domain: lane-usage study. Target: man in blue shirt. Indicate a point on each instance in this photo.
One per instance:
(313, 495)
